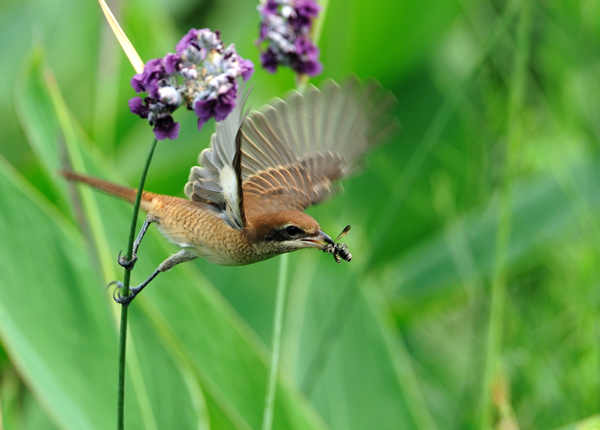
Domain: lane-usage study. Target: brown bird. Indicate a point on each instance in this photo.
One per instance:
(261, 172)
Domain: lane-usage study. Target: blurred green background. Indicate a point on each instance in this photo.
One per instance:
(471, 302)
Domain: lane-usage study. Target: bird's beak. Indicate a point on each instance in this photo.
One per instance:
(319, 240)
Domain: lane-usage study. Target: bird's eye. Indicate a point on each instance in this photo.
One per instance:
(292, 230)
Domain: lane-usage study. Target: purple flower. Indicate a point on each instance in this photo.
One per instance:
(202, 75)
(285, 30)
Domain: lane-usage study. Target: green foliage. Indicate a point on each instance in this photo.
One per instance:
(473, 295)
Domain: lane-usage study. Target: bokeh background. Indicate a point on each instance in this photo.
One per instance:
(473, 297)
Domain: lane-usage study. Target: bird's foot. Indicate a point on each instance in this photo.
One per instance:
(128, 264)
(121, 299)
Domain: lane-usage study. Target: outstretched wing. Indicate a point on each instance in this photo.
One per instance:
(294, 150)
(219, 180)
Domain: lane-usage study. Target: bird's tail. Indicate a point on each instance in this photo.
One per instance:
(125, 193)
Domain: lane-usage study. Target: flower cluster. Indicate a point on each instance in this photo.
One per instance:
(285, 27)
(202, 75)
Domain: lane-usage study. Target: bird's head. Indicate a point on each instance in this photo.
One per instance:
(286, 231)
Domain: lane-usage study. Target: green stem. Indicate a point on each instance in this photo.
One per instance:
(126, 281)
(516, 97)
(267, 423)
(318, 25)
(301, 81)
(121, 388)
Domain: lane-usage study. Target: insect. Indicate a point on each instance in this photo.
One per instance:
(339, 250)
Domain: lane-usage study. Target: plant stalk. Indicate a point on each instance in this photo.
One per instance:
(301, 81)
(267, 423)
(516, 108)
(126, 281)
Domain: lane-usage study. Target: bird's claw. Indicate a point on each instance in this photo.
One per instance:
(122, 300)
(127, 264)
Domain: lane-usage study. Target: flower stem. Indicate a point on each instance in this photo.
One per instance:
(267, 424)
(516, 110)
(276, 343)
(126, 280)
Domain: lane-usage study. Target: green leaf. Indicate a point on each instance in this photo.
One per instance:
(56, 325)
(20, 410)
(35, 110)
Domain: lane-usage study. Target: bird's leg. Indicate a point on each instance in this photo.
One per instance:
(128, 264)
(181, 257)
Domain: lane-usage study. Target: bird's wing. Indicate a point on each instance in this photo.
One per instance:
(294, 149)
(219, 180)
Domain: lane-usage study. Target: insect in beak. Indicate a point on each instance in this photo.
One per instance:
(339, 250)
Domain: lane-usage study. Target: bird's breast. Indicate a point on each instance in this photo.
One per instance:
(202, 230)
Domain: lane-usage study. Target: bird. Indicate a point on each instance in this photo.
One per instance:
(246, 199)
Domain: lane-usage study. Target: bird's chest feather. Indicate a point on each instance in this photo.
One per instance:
(204, 233)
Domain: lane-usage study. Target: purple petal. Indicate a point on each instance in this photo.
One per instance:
(140, 80)
(262, 32)
(152, 87)
(225, 104)
(201, 122)
(153, 67)
(268, 60)
(305, 46)
(306, 59)
(137, 107)
(270, 8)
(247, 68)
(217, 109)
(171, 63)
(204, 109)
(306, 11)
(148, 79)
(307, 8)
(186, 40)
(137, 82)
(310, 67)
(166, 128)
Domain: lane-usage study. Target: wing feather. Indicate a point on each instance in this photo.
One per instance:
(219, 180)
(294, 149)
